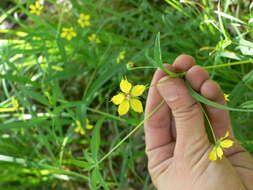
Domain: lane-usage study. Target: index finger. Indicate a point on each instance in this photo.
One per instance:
(158, 126)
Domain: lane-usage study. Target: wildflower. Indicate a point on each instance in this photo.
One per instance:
(79, 128)
(15, 106)
(68, 33)
(84, 20)
(128, 97)
(120, 57)
(94, 38)
(36, 8)
(130, 64)
(88, 125)
(14, 102)
(220, 144)
(226, 96)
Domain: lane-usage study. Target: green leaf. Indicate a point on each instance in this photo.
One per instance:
(18, 79)
(95, 178)
(95, 140)
(248, 104)
(158, 57)
(201, 99)
(157, 51)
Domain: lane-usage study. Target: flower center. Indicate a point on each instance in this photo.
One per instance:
(128, 96)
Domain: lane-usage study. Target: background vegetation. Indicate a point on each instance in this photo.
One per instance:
(49, 85)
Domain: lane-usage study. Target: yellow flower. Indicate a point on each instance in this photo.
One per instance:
(36, 8)
(128, 97)
(68, 33)
(226, 96)
(84, 20)
(15, 106)
(14, 102)
(217, 151)
(120, 57)
(79, 128)
(130, 64)
(88, 125)
(94, 38)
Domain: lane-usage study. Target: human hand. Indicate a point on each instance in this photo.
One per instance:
(177, 145)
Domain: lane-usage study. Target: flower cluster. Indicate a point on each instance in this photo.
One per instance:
(68, 33)
(84, 20)
(79, 128)
(217, 151)
(36, 8)
(128, 97)
(93, 38)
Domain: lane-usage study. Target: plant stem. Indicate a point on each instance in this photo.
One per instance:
(206, 67)
(132, 132)
(208, 126)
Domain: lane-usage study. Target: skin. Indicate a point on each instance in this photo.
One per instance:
(176, 142)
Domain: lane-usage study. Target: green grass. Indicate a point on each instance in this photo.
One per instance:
(58, 82)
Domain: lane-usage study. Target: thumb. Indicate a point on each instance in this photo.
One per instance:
(189, 119)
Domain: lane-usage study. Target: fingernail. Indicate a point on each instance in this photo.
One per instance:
(168, 89)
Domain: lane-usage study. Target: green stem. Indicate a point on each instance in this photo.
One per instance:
(229, 64)
(206, 67)
(142, 67)
(132, 132)
(208, 126)
(107, 114)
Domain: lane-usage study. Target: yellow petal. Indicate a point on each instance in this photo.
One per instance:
(88, 125)
(69, 37)
(14, 102)
(125, 86)
(213, 155)
(226, 143)
(136, 105)
(73, 34)
(226, 96)
(123, 107)
(130, 64)
(32, 7)
(86, 17)
(63, 34)
(219, 152)
(37, 4)
(79, 130)
(118, 99)
(225, 136)
(138, 90)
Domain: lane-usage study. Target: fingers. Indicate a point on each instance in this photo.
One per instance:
(186, 111)
(189, 120)
(183, 62)
(219, 118)
(158, 126)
